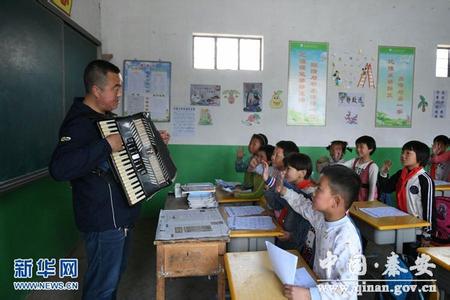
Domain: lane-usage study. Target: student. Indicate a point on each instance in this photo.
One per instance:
(254, 180)
(336, 235)
(337, 150)
(414, 187)
(297, 231)
(256, 141)
(282, 150)
(365, 167)
(102, 212)
(440, 159)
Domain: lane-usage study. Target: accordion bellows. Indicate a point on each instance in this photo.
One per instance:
(144, 167)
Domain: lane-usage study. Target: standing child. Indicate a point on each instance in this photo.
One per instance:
(337, 239)
(414, 187)
(297, 231)
(365, 167)
(337, 150)
(440, 159)
(256, 141)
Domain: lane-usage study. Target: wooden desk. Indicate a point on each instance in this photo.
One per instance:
(250, 276)
(387, 230)
(250, 240)
(241, 240)
(192, 257)
(442, 188)
(441, 257)
(224, 197)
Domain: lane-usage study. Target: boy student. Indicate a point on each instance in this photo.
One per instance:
(297, 231)
(102, 212)
(256, 141)
(253, 178)
(282, 150)
(440, 159)
(413, 186)
(365, 167)
(337, 240)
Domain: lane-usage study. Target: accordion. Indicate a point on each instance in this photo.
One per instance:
(144, 166)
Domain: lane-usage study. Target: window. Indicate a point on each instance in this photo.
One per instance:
(442, 61)
(224, 52)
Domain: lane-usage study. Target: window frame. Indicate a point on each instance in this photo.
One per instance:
(443, 47)
(239, 38)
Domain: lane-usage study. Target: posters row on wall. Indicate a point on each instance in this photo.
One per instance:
(147, 88)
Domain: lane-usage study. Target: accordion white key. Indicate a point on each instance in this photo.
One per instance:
(144, 167)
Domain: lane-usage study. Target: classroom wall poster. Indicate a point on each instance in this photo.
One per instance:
(351, 103)
(395, 86)
(203, 94)
(146, 88)
(439, 110)
(307, 86)
(252, 97)
(64, 5)
(183, 121)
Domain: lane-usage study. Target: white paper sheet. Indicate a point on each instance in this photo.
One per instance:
(441, 182)
(284, 264)
(235, 211)
(251, 223)
(303, 279)
(385, 211)
(190, 224)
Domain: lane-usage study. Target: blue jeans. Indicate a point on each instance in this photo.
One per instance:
(107, 257)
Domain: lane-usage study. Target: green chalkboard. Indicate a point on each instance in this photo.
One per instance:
(37, 50)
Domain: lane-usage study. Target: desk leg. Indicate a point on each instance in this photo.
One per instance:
(221, 277)
(160, 279)
(398, 241)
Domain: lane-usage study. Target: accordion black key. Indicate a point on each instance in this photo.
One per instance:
(144, 166)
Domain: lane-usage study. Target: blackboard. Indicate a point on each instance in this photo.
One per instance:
(42, 61)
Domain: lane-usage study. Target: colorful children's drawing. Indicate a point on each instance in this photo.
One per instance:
(336, 78)
(351, 118)
(276, 101)
(231, 95)
(422, 103)
(202, 94)
(205, 117)
(252, 119)
(252, 97)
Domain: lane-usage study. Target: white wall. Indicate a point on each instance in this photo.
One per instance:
(162, 29)
(86, 13)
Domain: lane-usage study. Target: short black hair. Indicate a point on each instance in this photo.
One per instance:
(95, 73)
(261, 138)
(422, 151)
(299, 161)
(288, 147)
(443, 139)
(268, 149)
(344, 182)
(369, 141)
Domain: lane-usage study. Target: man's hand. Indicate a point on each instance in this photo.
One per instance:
(115, 141)
(165, 136)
